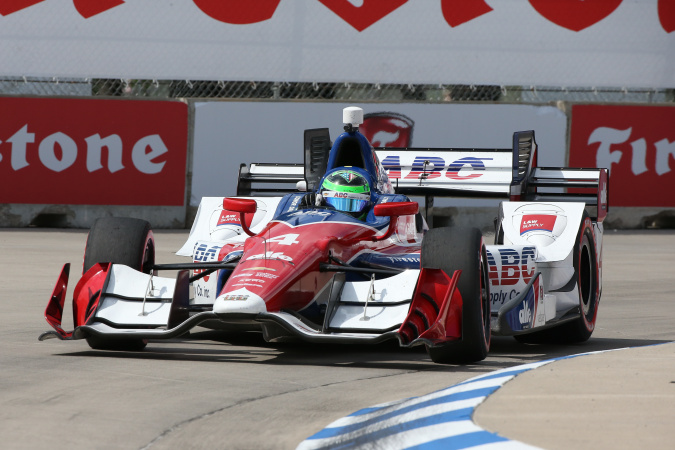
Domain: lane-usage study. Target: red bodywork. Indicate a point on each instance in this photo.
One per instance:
(281, 264)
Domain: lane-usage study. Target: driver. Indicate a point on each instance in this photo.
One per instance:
(347, 191)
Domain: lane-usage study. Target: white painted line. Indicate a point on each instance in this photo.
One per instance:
(440, 420)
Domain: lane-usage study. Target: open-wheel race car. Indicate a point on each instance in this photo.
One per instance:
(334, 251)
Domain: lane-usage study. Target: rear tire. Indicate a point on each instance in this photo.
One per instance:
(120, 240)
(587, 272)
(462, 248)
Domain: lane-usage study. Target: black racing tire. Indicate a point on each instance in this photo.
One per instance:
(462, 248)
(587, 272)
(119, 240)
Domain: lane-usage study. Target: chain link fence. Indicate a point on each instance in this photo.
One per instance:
(283, 91)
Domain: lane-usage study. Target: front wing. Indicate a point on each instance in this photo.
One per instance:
(115, 302)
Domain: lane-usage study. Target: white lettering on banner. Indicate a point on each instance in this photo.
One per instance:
(95, 146)
(47, 152)
(608, 136)
(639, 162)
(143, 160)
(605, 156)
(19, 141)
(664, 150)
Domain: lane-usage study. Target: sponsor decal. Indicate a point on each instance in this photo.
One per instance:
(235, 297)
(430, 167)
(228, 218)
(402, 259)
(285, 239)
(202, 291)
(509, 266)
(271, 255)
(636, 144)
(294, 203)
(205, 253)
(537, 222)
(525, 314)
(501, 297)
(269, 276)
(93, 152)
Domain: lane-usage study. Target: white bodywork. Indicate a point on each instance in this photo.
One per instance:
(538, 238)
(135, 298)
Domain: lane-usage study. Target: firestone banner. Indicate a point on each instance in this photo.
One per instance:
(636, 144)
(621, 43)
(92, 152)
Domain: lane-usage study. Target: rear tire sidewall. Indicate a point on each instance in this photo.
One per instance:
(587, 279)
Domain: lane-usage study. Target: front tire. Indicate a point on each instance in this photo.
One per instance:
(462, 248)
(119, 240)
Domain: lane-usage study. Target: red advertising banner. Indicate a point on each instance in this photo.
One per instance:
(637, 144)
(92, 152)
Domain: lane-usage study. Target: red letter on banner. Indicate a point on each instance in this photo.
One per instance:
(89, 8)
(667, 15)
(456, 12)
(8, 7)
(361, 17)
(238, 12)
(575, 15)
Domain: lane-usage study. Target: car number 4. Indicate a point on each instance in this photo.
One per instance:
(285, 239)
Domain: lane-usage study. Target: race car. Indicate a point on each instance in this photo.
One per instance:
(334, 251)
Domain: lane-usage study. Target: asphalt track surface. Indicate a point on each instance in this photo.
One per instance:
(219, 390)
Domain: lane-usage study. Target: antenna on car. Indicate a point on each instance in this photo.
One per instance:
(352, 117)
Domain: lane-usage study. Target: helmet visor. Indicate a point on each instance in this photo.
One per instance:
(347, 204)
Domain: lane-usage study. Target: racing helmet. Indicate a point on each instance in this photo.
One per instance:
(347, 191)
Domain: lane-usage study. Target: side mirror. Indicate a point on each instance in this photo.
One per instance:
(243, 206)
(394, 210)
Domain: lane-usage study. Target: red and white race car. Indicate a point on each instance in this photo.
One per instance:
(345, 256)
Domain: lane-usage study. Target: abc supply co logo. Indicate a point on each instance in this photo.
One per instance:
(636, 144)
(95, 152)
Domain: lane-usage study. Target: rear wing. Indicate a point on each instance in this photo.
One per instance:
(269, 179)
(448, 172)
(508, 172)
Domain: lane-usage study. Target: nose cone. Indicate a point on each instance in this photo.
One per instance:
(239, 301)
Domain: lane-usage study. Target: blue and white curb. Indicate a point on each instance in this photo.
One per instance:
(440, 420)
